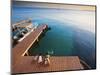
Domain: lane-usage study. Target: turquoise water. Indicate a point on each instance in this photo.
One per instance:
(58, 39)
(64, 38)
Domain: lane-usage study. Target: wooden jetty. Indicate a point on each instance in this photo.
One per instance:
(58, 63)
(22, 47)
(25, 64)
(23, 23)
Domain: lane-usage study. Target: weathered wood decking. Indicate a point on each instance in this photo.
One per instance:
(22, 47)
(25, 64)
(23, 23)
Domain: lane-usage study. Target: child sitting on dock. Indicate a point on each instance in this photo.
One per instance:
(47, 59)
(40, 59)
(36, 57)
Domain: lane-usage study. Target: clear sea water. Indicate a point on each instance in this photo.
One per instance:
(64, 38)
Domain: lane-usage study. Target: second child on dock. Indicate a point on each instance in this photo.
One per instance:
(40, 59)
(47, 59)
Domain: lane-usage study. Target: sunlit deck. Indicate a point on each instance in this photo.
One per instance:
(25, 64)
(22, 47)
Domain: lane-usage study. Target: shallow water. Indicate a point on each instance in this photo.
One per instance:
(65, 38)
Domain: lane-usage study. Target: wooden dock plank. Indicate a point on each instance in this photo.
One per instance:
(24, 45)
(25, 64)
(58, 63)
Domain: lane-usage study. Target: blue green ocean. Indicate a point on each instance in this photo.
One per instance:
(66, 38)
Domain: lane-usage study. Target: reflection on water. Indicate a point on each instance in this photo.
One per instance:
(64, 38)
